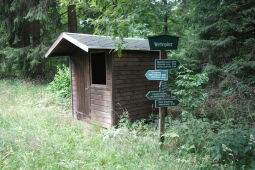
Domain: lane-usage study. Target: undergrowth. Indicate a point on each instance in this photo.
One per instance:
(215, 145)
(38, 132)
(61, 84)
(212, 128)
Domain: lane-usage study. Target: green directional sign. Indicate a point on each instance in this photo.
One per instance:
(157, 75)
(163, 86)
(163, 42)
(166, 64)
(157, 95)
(166, 103)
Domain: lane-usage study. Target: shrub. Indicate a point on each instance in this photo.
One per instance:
(61, 82)
(189, 90)
(125, 120)
(222, 143)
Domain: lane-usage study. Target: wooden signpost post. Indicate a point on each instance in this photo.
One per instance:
(162, 98)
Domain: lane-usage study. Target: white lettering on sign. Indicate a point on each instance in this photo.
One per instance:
(161, 44)
(158, 75)
(164, 63)
(166, 103)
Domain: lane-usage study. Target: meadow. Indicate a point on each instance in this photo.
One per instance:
(37, 131)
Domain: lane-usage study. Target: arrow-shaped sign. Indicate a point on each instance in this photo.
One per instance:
(166, 64)
(157, 95)
(157, 75)
(166, 103)
(163, 86)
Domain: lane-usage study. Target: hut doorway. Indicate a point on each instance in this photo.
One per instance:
(80, 85)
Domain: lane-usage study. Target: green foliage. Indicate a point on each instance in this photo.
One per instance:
(27, 28)
(218, 144)
(130, 18)
(23, 62)
(222, 143)
(189, 89)
(216, 82)
(225, 36)
(61, 82)
(9, 61)
(37, 133)
(124, 121)
(140, 126)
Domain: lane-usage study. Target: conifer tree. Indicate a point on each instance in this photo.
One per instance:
(224, 41)
(25, 23)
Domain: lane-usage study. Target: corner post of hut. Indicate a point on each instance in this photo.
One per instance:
(72, 27)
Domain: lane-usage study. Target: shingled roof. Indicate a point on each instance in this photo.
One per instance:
(67, 42)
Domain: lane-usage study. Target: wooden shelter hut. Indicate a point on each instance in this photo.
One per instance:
(104, 84)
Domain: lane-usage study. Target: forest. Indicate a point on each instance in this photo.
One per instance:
(212, 128)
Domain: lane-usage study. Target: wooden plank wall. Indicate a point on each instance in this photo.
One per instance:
(125, 88)
(130, 84)
(101, 97)
(79, 78)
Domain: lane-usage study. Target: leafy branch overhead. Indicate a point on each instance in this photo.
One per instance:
(214, 122)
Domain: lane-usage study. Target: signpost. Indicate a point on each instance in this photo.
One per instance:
(162, 65)
(157, 95)
(166, 103)
(163, 42)
(157, 75)
(166, 64)
(163, 86)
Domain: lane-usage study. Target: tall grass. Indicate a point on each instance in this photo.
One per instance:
(38, 132)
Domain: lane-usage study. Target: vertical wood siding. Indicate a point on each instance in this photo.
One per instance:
(92, 103)
(80, 84)
(101, 98)
(125, 89)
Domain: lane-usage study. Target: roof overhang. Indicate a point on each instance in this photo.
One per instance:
(69, 43)
(64, 46)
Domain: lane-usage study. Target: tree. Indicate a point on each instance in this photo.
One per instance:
(223, 41)
(132, 18)
(26, 23)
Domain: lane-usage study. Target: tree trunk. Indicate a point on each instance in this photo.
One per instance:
(35, 27)
(25, 39)
(72, 20)
(72, 25)
(165, 19)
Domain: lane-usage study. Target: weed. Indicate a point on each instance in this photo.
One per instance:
(38, 132)
(61, 83)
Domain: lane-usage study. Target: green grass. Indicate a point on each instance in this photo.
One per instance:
(37, 131)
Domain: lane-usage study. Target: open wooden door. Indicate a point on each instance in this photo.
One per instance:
(101, 87)
(80, 85)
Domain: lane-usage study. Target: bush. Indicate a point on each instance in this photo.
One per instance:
(222, 143)
(61, 82)
(189, 90)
